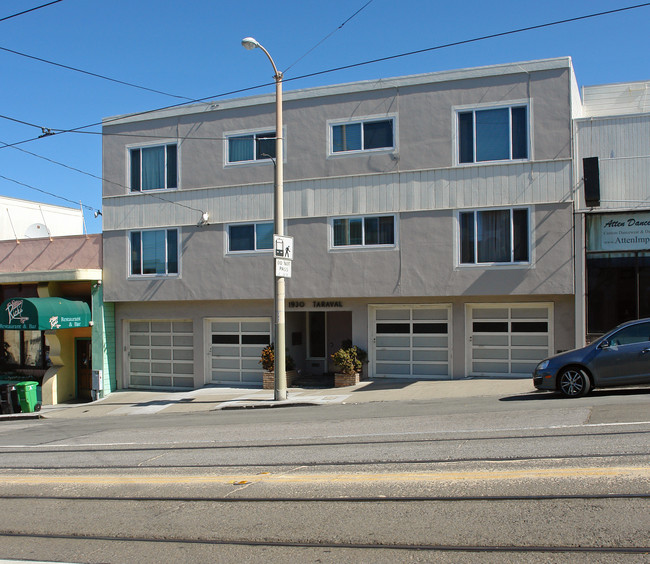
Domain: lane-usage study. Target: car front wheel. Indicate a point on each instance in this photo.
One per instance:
(573, 382)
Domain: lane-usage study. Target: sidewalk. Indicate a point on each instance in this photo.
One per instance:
(215, 398)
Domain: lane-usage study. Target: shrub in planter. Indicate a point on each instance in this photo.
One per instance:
(267, 360)
(349, 361)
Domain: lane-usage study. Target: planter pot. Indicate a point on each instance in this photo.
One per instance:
(268, 379)
(341, 380)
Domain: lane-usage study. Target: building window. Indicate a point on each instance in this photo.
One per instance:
(250, 237)
(154, 252)
(154, 168)
(251, 147)
(363, 231)
(494, 236)
(367, 135)
(493, 134)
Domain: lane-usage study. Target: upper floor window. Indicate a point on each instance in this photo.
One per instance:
(365, 135)
(250, 147)
(154, 252)
(154, 168)
(363, 231)
(250, 237)
(493, 134)
(494, 236)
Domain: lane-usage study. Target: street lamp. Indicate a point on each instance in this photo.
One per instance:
(278, 227)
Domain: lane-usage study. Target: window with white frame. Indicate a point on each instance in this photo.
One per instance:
(250, 147)
(250, 237)
(368, 231)
(154, 252)
(493, 134)
(154, 167)
(500, 236)
(363, 135)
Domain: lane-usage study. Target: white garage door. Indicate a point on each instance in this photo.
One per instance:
(410, 342)
(508, 340)
(160, 354)
(235, 348)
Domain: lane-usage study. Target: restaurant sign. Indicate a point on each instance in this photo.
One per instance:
(43, 314)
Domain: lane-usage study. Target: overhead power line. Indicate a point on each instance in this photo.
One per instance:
(335, 69)
(30, 10)
(48, 193)
(94, 74)
(328, 36)
(345, 67)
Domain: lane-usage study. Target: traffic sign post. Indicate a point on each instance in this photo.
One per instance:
(282, 268)
(283, 247)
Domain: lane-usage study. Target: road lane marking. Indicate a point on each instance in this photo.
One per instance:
(268, 478)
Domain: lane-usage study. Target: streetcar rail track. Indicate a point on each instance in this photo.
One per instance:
(309, 500)
(344, 463)
(338, 545)
(85, 448)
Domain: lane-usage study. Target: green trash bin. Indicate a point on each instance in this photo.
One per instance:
(27, 396)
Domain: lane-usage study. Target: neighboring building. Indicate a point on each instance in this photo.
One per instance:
(612, 148)
(54, 327)
(22, 219)
(432, 218)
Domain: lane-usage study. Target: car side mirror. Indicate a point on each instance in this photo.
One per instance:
(604, 345)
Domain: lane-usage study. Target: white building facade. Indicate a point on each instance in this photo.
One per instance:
(612, 148)
(24, 219)
(432, 217)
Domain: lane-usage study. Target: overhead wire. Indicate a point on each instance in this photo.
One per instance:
(344, 67)
(93, 74)
(30, 10)
(241, 90)
(328, 36)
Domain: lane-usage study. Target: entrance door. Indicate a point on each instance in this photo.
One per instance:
(84, 365)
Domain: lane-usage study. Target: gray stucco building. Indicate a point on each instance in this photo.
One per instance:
(432, 217)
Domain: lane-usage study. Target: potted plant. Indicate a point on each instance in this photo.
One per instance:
(349, 361)
(267, 360)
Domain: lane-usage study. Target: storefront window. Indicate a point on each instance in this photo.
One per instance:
(33, 348)
(11, 348)
(616, 289)
(23, 349)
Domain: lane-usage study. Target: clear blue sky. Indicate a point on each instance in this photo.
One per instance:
(192, 48)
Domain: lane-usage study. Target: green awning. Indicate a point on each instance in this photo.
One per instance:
(43, 314)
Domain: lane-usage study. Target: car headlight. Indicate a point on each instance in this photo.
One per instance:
(543, 365)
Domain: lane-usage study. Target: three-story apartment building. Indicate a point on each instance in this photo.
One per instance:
(432, 218)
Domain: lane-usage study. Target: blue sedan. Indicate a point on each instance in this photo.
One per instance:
(618, 358)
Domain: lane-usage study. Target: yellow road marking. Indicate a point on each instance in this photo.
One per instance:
(267, 478)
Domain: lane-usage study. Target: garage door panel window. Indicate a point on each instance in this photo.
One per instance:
(508, 341)
(494, 236)
(412, 342)
(154, 252)
(235, 348)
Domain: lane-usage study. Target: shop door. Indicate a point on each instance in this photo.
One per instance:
(84, 365)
